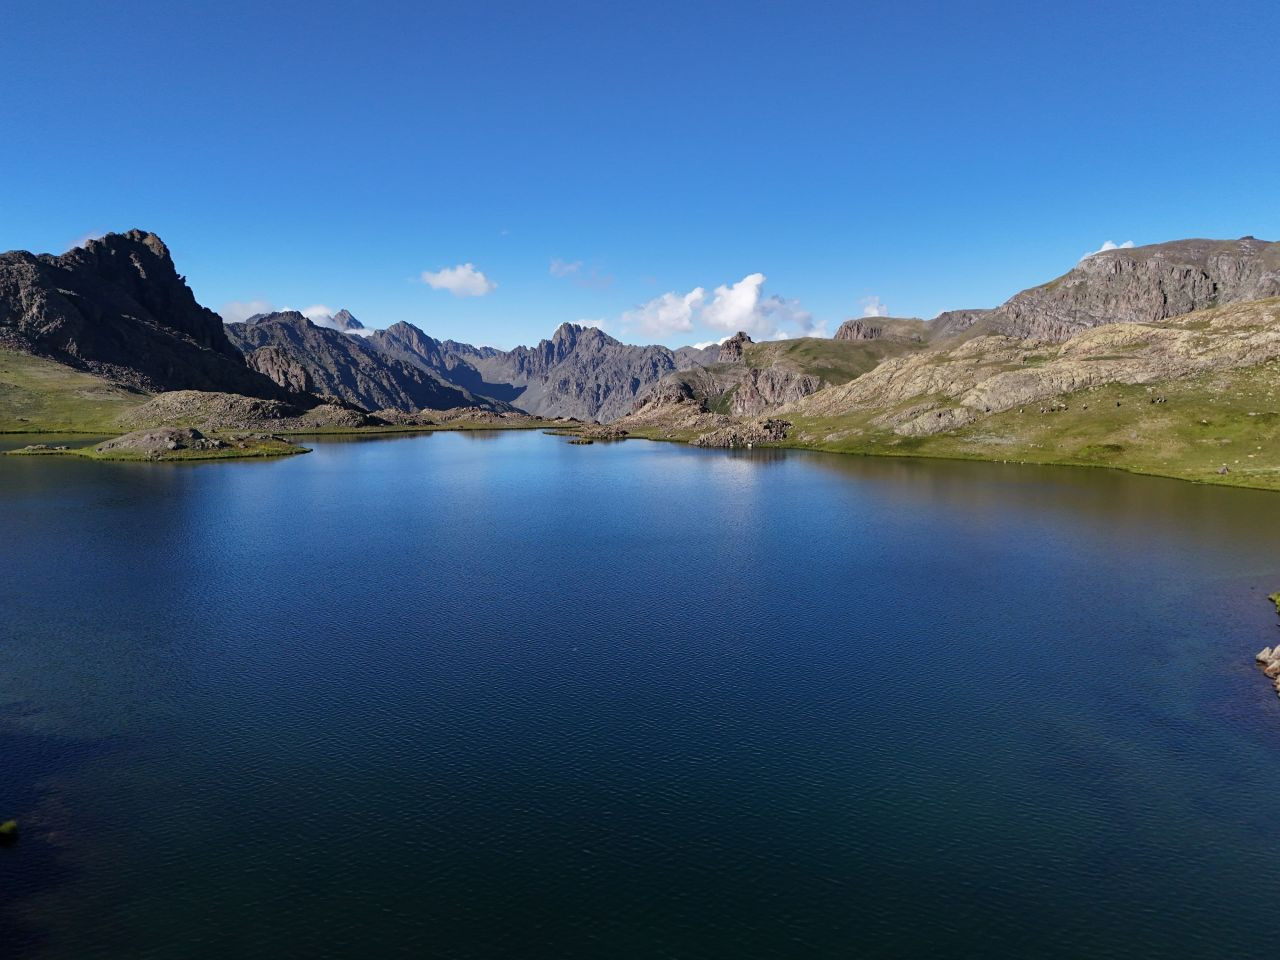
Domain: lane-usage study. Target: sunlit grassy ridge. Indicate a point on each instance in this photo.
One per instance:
(1227, 419)
(40, 395)
(835, 361)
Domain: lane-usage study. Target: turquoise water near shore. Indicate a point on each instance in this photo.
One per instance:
(495, 695)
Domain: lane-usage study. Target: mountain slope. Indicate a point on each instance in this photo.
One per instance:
(749, 379)
(41, 394)
(297, 354)
(1140, 285)
(409, 345)
(117, 307)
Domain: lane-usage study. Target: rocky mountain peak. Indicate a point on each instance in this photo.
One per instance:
(115, 243)
(118, 307)
(731, 349)
(344, 321)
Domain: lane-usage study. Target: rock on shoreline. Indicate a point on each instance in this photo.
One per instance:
(1269, 657)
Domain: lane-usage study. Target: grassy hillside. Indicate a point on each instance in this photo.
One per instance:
(38, 395)
(835, 361)
(1204, 423)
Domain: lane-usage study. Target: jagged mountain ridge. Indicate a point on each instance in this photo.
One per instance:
(579, 372)
(302, 356)
(117, 307)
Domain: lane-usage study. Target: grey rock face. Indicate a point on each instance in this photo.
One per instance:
(445, 359)
(275, 363)
(689, 357)
(580, 372)
(291, 349)
(731, 349)
(858, 330)
(1143, 285)
(118, 308)
(882, 328)
(161, 440)
(746, 434)
(763, 390)
(952, 322)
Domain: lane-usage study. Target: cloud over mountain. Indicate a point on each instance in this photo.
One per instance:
(464, 280)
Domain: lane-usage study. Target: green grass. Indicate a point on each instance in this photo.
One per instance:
(1275, 598)
(238, 448)
(40, 396)
(1225, 419)
(835, 361)
(8, 832)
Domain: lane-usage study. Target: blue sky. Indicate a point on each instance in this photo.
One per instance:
(668, 169)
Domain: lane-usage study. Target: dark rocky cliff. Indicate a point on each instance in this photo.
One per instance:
(295, 352)
(118, 308)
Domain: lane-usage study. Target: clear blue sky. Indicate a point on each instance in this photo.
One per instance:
(929, 154)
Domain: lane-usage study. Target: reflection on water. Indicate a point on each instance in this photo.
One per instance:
(520, 698)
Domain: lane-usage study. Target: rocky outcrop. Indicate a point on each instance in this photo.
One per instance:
(292, 350)
(160, 441)
(1269, 660)
(604, 431)
(763, 390)
(951, 323)
(747, 434)
(214, 411)
(117, 307)
(939, 390)
(731, 349)
(882, 328)
(1143, 285)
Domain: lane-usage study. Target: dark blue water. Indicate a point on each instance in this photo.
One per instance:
(491, 696)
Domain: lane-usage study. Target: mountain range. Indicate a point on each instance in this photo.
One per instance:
(113, 323)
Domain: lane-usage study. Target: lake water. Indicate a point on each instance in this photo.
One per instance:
(497, 696)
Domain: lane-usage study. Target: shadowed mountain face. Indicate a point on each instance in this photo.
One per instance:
(297, 354)
(580, 372)
(407, 344)
(118, 308)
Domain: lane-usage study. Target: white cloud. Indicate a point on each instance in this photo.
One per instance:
(84, 238)
(709, 343)
(779, 313)
(562, 268)
(318, 314)
(873, 307)
(668, 313)
(1108, 245)
(735, 307)
(238, 311)
(463, 280)
(598, 324)
(732, 307)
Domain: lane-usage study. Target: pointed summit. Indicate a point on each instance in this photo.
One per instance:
(344, 321)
